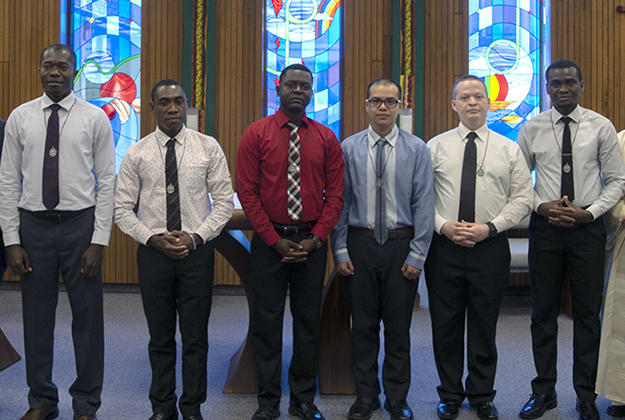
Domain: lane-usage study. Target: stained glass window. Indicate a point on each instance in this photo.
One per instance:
(106, 35)
(509, 49)
(306, 32)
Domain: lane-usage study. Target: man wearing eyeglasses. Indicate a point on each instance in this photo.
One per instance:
(483, 188)
(380, 245)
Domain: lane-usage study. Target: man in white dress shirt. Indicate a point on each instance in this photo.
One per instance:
(56, 207)
(170, 173)
(579, 176)
(482, 188)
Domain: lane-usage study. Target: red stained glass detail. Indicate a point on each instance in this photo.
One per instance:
(110, 111)
(276, 80)
(277, 44)
(120, 86)
(277, 6)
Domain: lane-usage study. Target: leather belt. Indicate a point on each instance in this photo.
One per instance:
(292, 230)
(402, 233)
(56, 216)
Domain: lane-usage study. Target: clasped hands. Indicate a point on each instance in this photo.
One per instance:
(564, 213)
(176, 244)
(465, 234)
(293, 252)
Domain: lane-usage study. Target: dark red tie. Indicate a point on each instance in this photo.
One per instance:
(50, 183)
(171, 183)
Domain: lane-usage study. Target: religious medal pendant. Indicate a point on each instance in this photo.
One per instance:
(170, 189)
(53, 152)
(292, 169)
(378, 183)
(480, 172)
(566, 168)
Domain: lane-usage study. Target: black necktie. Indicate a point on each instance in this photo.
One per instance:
(171, 181)
(566, 187)
(467, 183)
(51, 161)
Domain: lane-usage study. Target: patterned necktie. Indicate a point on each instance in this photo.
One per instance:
(50, 190)
(173, 196)
(566, 186)
(294, 198)
(381, 232)
(467, 183)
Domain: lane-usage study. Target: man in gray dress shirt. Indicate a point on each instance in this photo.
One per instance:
(482, 189)
(170, 173)
(56, 208)
(579, 176)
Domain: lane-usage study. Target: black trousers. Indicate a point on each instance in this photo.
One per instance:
(270, 281)
(576, 253)
(180, 289)
(466, 282)
(379, 292)
(54, 247)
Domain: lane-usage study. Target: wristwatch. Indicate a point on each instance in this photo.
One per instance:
(492, 230)
(318, 242)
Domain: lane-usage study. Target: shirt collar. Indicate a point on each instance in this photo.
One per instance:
(163, 138)
(391, 137)
(282, 119)
(66, 103)
(575, 115)
(482, 132)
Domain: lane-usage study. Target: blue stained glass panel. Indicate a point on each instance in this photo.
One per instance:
(509, 49)
(306, 32)
(106, 36)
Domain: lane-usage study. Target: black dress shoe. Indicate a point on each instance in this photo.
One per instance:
(36, 414)
(398, 409)
(587, 410)
(537, 405)
(266, 413)
(447, 409)
(486, 410)
(196, 417)
(306, 411)
(363, 408)
(616, 410)
(165, 416)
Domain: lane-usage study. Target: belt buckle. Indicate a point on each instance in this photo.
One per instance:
(54, 217)
(291, 230)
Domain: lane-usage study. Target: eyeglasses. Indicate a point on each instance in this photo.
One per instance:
(376, 102)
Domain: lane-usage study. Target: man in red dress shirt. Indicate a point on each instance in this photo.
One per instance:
(290, 182)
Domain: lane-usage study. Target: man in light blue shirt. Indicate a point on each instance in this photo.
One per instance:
(380, 244)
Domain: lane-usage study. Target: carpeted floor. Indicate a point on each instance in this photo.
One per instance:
(127, 373)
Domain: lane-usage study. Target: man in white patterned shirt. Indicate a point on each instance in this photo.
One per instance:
(170, 173)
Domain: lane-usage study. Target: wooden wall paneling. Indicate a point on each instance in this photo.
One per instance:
(26, 28)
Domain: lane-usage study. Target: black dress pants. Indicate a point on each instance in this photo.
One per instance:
(379, 292)
(557, 253)
(53, 247)
(180, 289)
(270, 280)
(466, 282)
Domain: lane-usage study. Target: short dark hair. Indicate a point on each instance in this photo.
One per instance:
(296, 67)
(165, 82)
(384, 81)
(464, 79)
(563, 64)
(58, 47)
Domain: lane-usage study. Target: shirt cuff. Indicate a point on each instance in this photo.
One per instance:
(341, 256)
(595, 210)
(11, 238)
(100, 238)
(415, 260)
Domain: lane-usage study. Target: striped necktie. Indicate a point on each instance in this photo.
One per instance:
(171, 181)
(294, 197)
